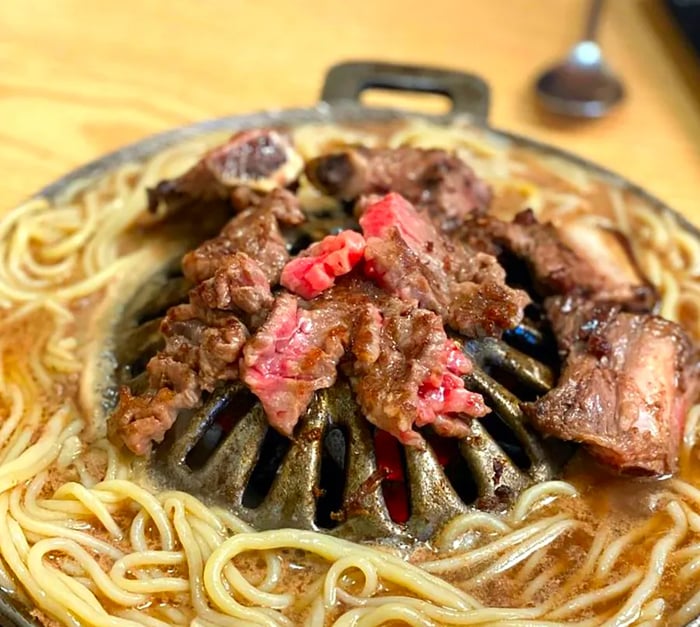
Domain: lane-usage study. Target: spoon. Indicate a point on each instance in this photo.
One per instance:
(581, 85)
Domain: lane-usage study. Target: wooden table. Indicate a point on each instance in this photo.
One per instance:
(82, 77)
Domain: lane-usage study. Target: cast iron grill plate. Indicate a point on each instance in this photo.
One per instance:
(327, 477)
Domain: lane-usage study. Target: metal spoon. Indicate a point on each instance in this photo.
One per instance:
(582, 85)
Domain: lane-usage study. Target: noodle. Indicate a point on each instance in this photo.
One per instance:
(88, 541)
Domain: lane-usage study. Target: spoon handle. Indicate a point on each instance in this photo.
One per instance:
(593, 20)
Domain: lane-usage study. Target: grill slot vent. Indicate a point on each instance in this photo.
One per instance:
(391, 461)
(224, 417)
(506, 440)
(456, 469)
(332, 480)
(272, 451)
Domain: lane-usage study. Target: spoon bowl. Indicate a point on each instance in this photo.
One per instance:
(582, 85)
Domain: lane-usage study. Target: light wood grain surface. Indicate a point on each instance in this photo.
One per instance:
(82, 77)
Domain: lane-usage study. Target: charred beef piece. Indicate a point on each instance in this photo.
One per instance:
(626, 384)
(259, 159)
(433, 180)
(556, 267)
(406, 255)
(400, 363)
(141, 420)
(201, 349)
(238, 284)
(204, 338)
(255, 232)
(407, 373)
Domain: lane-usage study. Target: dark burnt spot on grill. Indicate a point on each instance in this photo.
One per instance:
(498, 467)
(503, 492)
(313, 434)
(353, 505)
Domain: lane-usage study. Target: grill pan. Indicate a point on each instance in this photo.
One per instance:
(502, 458)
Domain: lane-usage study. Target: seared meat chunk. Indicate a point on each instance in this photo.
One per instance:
(139, 421)
(204, 342)
(556, 267)
(626, 384)
(407, 373)
(260, 159)
(406, 255)
(316, 268)
(295, 353)
(433, 180)
(238, 284)
(255, 232)
(201, 349)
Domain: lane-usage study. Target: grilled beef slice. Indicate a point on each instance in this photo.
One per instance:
(255, 232)
(295, 353)
(201, 349)
(406, 255)
(316, 268)
(626, 384)
(433, 180)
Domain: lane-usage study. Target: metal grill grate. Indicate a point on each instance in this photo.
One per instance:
(327, 478)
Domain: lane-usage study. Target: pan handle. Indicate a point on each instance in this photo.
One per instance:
(467, 92)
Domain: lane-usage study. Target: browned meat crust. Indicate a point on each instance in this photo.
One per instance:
(433, 180)
(204, 337)
(407, 255)
(555, 267)
(625, 388)
(255, 232)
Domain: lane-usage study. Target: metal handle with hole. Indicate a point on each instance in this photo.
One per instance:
(468, 93)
